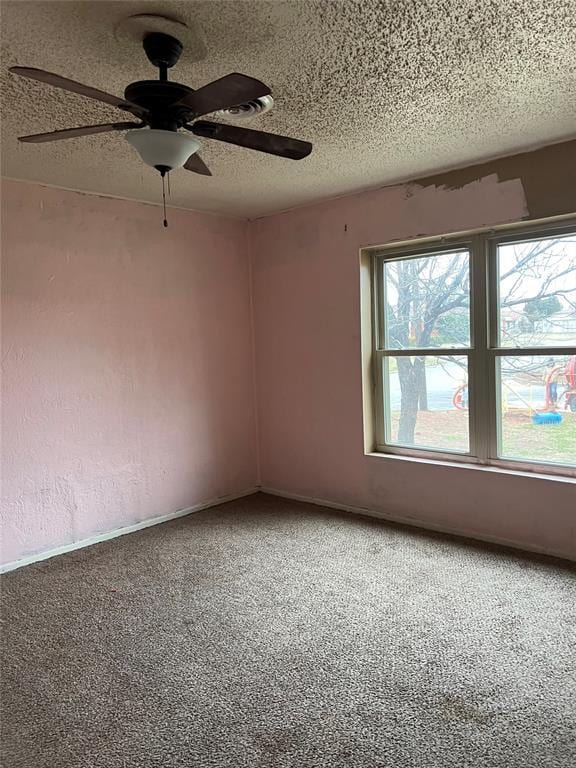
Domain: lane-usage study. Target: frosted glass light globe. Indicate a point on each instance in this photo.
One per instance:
(162, 149)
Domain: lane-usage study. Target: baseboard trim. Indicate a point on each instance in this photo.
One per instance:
(426, 526)
(39, 556)
(393, 518)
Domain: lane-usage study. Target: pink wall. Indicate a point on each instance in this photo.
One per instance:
(309, 389)
(128, 385)
(127, 351)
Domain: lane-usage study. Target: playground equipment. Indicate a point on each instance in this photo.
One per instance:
(550, 393)
(568, 371)
(460, 397)
(570, 376)
(548, 414)
(546, 417)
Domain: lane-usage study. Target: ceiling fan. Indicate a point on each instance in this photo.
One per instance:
(163, 107)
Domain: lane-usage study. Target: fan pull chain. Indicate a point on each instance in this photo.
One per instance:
(169, 193)
(164, 200)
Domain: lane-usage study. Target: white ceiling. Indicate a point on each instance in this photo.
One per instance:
(385, 90)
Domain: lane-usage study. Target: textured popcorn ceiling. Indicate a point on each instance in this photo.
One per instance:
(385, 90)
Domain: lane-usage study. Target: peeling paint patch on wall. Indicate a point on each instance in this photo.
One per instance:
(548, 177)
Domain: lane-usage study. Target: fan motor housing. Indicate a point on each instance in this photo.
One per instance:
(159, 96)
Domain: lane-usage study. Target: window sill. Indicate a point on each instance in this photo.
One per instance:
(535, 474)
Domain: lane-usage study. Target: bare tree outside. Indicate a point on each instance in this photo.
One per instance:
(427, 305)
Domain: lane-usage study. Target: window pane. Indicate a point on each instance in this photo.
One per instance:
(427, 301)
(426, 402)
(537, 410)
(537, 285)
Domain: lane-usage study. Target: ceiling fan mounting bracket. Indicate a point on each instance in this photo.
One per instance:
(131, 31)
(163, 51)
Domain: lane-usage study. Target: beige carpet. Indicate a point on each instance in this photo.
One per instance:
(268, 633)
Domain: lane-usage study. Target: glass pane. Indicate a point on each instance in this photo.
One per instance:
(427, 301)
(537, 409)
(427, 402)
(537, 284)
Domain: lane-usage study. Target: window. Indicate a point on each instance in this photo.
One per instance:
(474, 349)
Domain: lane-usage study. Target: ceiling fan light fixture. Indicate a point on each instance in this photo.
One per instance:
(162, 149)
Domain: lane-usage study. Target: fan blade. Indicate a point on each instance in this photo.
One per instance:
(84, 90)
(271, 143)
(72, 133)
(228, 91)
(197, 165)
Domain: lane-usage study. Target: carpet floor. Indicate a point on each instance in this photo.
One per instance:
(267, 633)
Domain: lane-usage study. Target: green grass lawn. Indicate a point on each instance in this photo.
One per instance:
(544, 442)
(521, 439)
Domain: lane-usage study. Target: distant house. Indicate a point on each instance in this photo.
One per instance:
(562, 322)
(558, 327)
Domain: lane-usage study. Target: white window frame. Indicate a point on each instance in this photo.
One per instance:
(482, 353)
